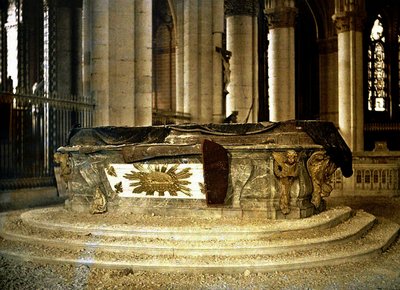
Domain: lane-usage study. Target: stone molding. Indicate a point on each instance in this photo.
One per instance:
(328, 45)
(350, 20)
(281, 17)
(241, 7)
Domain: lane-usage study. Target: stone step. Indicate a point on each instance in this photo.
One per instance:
(281, 242)
(176, 228)
(371, 244)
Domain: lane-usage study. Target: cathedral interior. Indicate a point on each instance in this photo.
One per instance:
(95, 63)
(68, 64)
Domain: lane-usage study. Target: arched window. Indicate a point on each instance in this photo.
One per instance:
(377, 69)
(382, 71)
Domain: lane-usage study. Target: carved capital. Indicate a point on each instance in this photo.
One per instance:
(281, 17)
(241, 7)
(346, 21)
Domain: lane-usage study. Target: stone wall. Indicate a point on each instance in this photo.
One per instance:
(374, 174)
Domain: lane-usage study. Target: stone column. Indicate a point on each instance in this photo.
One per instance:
(76, 55)
(217, 32)
(86, 49)
(143, 61)
(179, 56)
(121, 61)
(281, 59)
(68, 50)
(100, 78)
(196, 64)
(328, 63)
(348, 18)
(206, 53)
(191, 59)
(241, 41)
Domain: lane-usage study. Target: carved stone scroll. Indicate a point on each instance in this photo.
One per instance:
(62, 159)
(321, 169)
(63, 172)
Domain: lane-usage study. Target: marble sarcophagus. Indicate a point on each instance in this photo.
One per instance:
(273, 170)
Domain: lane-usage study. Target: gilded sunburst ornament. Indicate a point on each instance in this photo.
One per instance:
(111, 171)
(159, 178)
(118, 187)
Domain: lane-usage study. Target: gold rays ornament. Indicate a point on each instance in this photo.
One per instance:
(159, 178)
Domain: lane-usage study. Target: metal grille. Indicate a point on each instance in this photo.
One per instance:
(31, 130)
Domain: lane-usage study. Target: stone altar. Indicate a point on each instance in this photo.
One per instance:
(279, 170)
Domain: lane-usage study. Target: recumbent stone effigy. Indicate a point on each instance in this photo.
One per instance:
(274, 170)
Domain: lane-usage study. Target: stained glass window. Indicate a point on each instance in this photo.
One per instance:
(377, 69)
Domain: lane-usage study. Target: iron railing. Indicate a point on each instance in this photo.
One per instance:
(31, 129)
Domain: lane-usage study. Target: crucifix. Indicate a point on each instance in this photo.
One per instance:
(225, 56)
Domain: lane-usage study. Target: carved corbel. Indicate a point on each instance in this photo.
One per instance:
(286, 169)
(321, 169)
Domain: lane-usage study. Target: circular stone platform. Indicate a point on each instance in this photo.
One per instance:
(207, 244)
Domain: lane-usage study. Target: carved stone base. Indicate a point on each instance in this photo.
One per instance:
(274, 170)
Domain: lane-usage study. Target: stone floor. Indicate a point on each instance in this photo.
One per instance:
(382, 272)
(29, 197)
